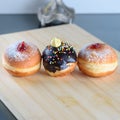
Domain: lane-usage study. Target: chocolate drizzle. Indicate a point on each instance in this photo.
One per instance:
(56, 58)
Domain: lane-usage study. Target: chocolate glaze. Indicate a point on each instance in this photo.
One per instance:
(56, 59)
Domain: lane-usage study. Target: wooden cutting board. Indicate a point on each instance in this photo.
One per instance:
(72, 97)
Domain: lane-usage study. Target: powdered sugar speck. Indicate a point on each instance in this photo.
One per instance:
(13, 53)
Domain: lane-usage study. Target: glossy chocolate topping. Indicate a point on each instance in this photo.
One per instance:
(56, 58)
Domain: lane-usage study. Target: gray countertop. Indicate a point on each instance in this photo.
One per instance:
(104, 26)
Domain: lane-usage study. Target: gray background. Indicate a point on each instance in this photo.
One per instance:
(104, 26)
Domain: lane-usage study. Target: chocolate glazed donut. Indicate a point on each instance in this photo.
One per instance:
(58, 58)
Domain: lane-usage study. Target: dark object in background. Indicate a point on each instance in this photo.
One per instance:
(5, 113)
(54, 23)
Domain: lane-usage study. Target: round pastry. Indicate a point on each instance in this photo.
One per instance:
(97, 59)
(22, 59)
(59, 58)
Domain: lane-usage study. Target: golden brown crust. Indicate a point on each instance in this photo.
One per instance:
(103, 54)
(94, 74)
(21, 74)
(63, 72)
(26, 59)
(97, 62)
(29, 62)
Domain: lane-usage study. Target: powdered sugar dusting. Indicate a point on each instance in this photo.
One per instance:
(94, 55)
(14, 54)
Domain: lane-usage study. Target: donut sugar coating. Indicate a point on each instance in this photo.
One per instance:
(59, 58)
(97, 59)
(22, 58)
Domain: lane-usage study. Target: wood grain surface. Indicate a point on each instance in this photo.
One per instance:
(72, 97)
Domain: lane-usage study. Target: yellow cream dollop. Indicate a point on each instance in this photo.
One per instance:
(55, 42)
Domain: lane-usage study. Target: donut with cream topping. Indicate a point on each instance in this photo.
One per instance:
(22, 59)
(59, 58)
(97, 59)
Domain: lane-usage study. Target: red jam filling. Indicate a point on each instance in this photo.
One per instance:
(95, 46)
(21, 46)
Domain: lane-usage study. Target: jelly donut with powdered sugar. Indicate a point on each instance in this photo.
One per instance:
(97, 59)
(22, 59)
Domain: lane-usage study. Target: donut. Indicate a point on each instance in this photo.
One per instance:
(59, 58)
(22, 59)
(97, 59)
